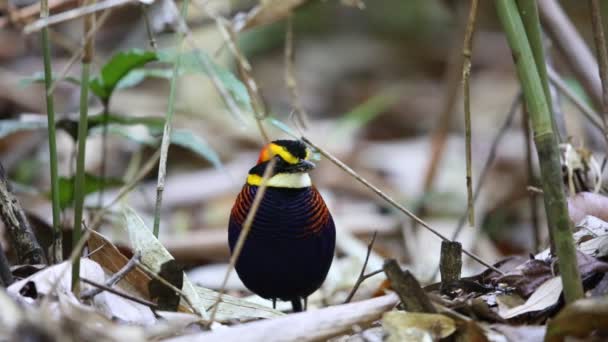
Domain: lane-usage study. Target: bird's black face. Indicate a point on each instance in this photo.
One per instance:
(291, 157)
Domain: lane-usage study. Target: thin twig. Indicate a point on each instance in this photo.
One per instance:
(486, 168)
(165, 282)
(590, 114)
(73, 14)
(452, 82)
(102, 287)
(602, 56)
(362, 275)
(164, 147)
(255, 205)
(290, 75)
(490, 159)
(467, 51)
(149, 32)
(115, 278)
(391, 201)
(573, 48)
(78, 54)
(257, 101)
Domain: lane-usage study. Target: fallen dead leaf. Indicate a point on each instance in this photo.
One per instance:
(545, 296)
(112, 260)
(399, 325)
(579, 319)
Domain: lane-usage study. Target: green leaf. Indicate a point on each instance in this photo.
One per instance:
(136, 76)
(180, 137)
(91, 184)
(11, 126)
(70, 125)
(199, 61)
(116, 69)
(188, 140)
(38, 77)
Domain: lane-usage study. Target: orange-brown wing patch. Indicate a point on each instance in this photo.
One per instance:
(242, 204)
(320, 215)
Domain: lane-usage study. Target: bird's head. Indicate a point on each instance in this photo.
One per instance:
(292, 163)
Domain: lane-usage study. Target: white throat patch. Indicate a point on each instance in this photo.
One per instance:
(290, 180)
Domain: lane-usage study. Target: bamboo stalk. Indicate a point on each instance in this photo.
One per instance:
(528, 11)
(164, 147)
(87, 57)
(546, 145)
(56, 253)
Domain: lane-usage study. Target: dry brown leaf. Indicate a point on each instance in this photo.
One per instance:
(579, 319)
(545, 296)
(112, 260)
(399, 325)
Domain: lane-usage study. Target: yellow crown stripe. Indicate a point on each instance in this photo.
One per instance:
(283, 153)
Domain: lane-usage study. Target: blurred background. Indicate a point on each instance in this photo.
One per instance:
(380, 82)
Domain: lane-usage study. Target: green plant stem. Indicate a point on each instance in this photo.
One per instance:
(164, 147)
(528, 11)
(50, 110)
(547, 148)
(104, 153)
(87, 57)
(80, 172)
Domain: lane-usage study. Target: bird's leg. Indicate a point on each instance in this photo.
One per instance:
(274, 303)
(296, 304)
(305, 303)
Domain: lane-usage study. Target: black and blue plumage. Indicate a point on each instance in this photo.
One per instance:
(290, 246)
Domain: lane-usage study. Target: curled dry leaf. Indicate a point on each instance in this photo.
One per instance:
(545, 296)
(579, 319)
(409, 326)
